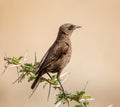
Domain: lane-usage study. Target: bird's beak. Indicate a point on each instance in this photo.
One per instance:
(76, 26)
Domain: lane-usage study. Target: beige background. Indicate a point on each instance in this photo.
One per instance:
(32, 25)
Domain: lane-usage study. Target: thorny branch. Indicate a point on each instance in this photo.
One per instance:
(28, 70)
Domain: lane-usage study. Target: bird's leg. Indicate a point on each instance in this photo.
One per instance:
(49, 75)
(61, 86)
(58, 81)
(58, 78)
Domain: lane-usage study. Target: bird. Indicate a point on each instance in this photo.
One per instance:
(58, 55)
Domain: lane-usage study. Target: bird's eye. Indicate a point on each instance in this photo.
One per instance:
(71, 27)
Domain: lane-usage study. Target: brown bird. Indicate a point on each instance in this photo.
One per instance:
(58, 55)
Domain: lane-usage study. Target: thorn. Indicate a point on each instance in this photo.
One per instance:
(49, 92)
(85, 86)
(33, 90)
(35, 58)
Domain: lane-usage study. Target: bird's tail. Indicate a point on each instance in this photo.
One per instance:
(36, 80)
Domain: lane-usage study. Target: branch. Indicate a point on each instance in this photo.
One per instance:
(27, 70)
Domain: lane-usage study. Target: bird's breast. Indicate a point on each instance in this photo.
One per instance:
(66, 57)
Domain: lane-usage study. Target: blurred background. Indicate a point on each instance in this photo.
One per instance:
(32, 26)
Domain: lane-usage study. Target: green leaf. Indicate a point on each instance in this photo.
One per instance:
(79, 105)
(31, 78)
(61, 97)
(15, 60)
(21, 57)
(27, 68)
(54, 80)
(86, 103)
(85, 96)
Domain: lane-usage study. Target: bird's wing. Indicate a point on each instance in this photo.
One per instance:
(53, 54)
(42, 61)
(60, 51)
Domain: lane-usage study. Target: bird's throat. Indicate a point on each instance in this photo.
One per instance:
(63, 36)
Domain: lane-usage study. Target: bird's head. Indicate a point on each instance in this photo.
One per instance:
(68, 28)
